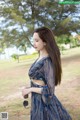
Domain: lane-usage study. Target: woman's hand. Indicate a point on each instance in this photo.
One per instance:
(26, 91)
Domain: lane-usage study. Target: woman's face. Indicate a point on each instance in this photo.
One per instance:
(38, 43)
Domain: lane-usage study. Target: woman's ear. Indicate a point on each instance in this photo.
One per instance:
(44, 43)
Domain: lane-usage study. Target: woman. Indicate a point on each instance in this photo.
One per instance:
(45, 74)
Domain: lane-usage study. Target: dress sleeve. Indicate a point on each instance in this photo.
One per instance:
(48, 89)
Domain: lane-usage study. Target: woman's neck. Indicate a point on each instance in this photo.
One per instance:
(43, 53)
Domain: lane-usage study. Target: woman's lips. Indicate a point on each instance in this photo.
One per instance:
(35, 47)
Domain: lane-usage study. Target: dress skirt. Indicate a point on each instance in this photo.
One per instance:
(52, 111)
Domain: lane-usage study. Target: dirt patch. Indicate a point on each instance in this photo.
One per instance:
(68, 92)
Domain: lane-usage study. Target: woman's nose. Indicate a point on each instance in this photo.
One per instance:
(34, 44)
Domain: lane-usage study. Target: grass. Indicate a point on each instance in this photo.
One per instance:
(14, 76)
(70, 52)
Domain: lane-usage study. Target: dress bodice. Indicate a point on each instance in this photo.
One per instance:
(43, 70)
(36, 70)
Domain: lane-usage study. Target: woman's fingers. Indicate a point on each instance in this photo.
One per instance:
(25, 92)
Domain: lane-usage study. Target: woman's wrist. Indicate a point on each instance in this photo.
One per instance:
(36, 90)
(31, 89)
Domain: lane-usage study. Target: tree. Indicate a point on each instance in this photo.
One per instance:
(2, 47)
(26, 15)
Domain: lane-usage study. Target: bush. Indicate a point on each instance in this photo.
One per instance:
(15, 56)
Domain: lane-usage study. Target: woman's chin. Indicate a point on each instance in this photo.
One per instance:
(37, 49)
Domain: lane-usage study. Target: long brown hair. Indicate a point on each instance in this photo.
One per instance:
(51, 47)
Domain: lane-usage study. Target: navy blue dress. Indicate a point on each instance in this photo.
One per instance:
(45, 106)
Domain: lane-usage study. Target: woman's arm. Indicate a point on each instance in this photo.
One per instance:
(36, 90)
(31, 89)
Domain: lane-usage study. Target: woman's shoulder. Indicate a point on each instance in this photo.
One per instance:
(47, 60)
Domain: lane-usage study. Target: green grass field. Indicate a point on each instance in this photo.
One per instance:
(14, 76)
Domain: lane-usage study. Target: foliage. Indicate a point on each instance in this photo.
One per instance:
(66, 42)
(15, 56)
(22, 17)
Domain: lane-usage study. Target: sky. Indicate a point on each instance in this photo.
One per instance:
(10, 51)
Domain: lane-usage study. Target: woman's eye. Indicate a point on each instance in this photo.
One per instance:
(36, 40)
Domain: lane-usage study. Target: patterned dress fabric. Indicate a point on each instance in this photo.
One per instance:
(45, 106)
